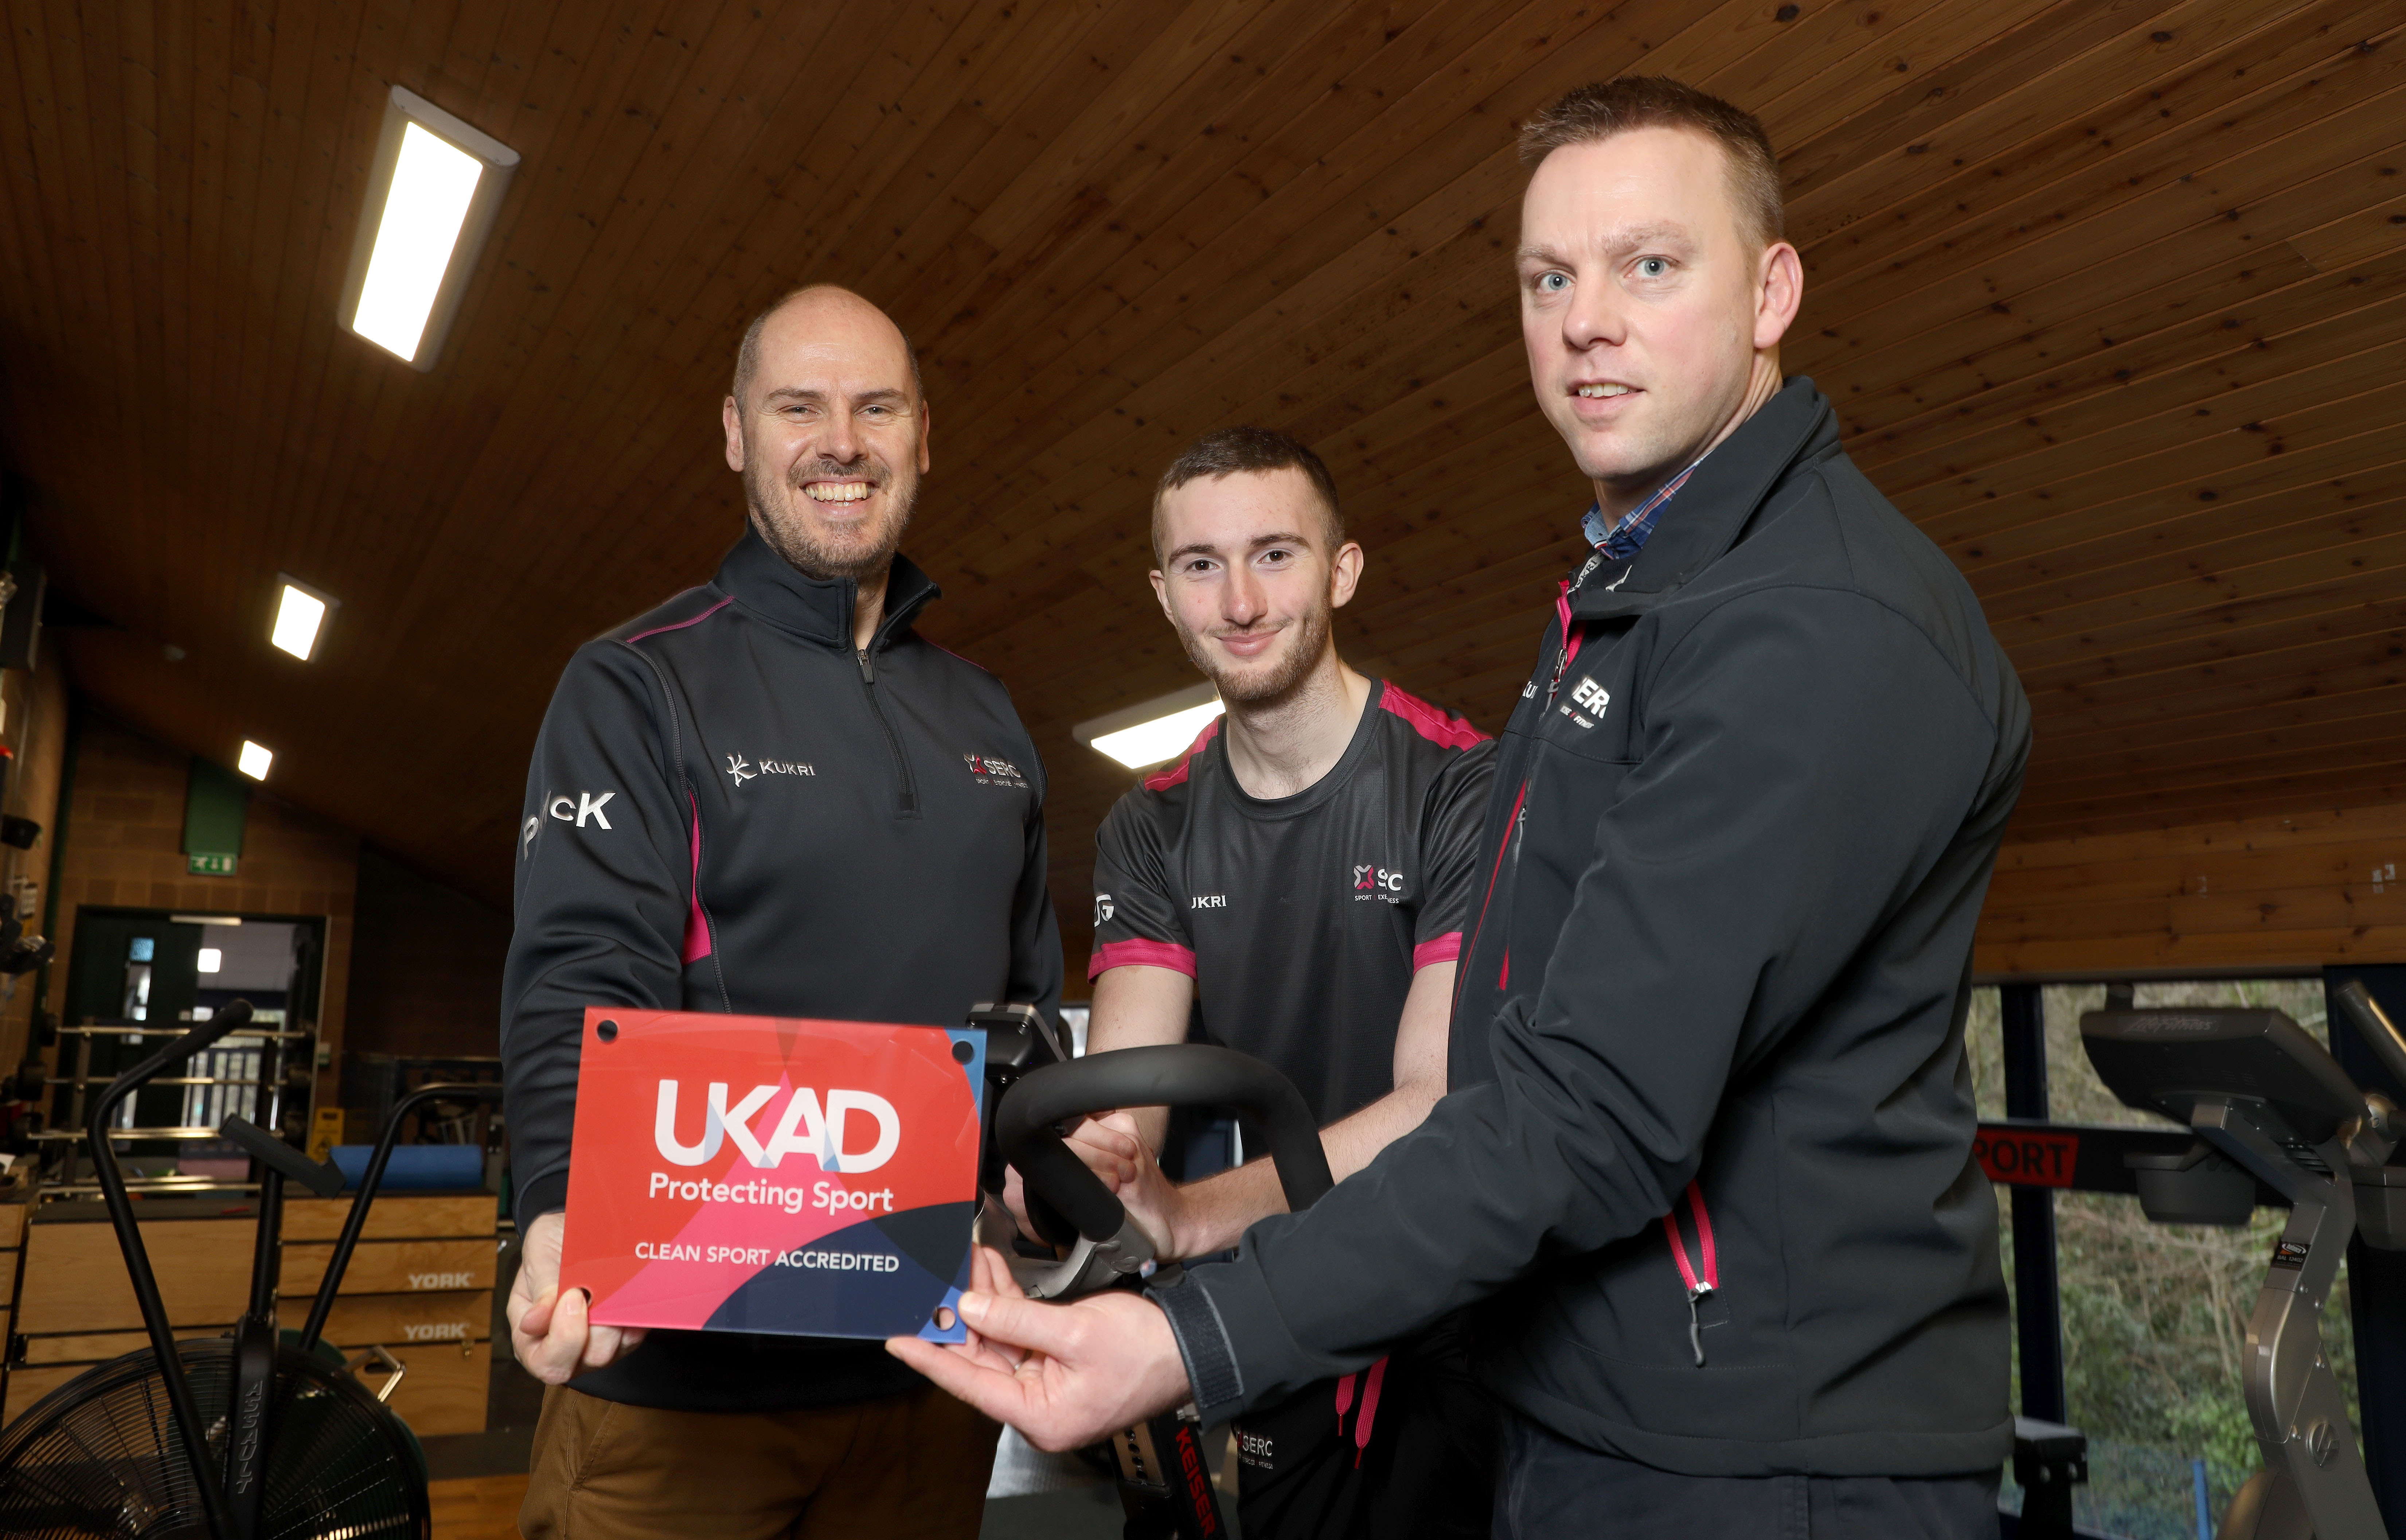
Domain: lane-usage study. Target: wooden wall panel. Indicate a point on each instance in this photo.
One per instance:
(2107, 295)
(2273, 894)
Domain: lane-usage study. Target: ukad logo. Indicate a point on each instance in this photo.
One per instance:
(804, 1130)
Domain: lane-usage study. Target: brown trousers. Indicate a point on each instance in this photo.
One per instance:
(913, 1467)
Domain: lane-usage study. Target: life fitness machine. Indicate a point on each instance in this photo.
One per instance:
(2269, 1103)
(1165, 1478)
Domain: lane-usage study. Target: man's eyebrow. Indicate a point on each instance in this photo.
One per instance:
(804, 394)
(1202, 547)
(1649, 233)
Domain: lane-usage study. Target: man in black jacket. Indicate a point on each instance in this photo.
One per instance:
(768, 797)
(1707, 1157)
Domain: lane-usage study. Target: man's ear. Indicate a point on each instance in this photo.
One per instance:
(926, 417)
(732, 420)
(1161, 595)
(1344, 574)
(1779, 290)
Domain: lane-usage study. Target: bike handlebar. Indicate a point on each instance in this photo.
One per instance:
(1175, 1074)
(181, 1405)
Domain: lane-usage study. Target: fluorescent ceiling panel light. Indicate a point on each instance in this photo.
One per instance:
(212, 959)
(1154, 732)
(254, 760)
(299, 614)
(433, 189)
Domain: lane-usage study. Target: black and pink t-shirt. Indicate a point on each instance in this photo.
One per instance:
(1302, 919)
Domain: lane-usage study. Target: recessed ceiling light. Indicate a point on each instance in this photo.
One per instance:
(433, 192)
(212, 959)
(254, 760)
(300, 612)
(1156, 731)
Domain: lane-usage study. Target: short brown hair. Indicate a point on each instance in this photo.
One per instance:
(1593, 113)
(1232, 451)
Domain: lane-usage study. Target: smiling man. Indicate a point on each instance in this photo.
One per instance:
(1705, 1171)
(768, 797)
(1296, 884)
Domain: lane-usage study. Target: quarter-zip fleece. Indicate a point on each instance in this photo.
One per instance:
(1738, 841)
(733, 808)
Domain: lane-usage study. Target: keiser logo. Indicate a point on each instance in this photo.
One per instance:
(804, 1129)
(1377, 882)
(990, 771)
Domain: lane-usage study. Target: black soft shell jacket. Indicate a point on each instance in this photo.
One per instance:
(1735, 850)
(731, 810)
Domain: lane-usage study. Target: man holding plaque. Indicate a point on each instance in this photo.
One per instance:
(768, 797)
(1703, 1174)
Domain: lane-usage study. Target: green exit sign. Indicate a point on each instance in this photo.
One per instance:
(210, 866)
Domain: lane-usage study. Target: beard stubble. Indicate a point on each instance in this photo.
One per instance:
(789, 534)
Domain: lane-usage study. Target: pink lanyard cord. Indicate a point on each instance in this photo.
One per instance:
(1697, 1286)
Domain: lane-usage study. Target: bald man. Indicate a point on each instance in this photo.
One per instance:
(768, 797)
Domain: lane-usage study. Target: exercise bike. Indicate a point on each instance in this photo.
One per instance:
(1164, 1477)
(2270, 1104)
(259, 1435)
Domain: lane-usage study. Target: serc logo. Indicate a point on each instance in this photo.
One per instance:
(1375, 882)
(804, 1129)
(990, 771)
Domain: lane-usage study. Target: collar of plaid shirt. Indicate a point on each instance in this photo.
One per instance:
(1624, 541)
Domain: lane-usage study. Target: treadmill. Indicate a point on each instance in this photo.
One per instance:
(2269, 1103)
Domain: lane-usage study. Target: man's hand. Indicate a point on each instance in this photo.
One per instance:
(1115, 1150)
(1063, 1375)
(550, 1335)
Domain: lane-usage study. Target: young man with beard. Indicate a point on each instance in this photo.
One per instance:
(1299, 881)
(1705, 1171)
(768, 797)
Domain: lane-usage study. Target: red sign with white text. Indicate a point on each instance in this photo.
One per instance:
(2027, 1157)
(761, 1174)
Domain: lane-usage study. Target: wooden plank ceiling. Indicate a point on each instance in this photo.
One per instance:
(2112, 297)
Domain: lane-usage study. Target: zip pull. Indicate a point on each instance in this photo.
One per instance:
(867, 670)
(1701, 1281)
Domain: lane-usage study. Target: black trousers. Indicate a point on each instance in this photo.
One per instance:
(1548, 1487)
(1404, 1451)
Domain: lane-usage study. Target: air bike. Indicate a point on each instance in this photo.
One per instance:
(1165, 1478)
(259, 1434)
(2270, 1104)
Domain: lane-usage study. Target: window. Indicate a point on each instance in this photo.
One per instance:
(2154, 1315)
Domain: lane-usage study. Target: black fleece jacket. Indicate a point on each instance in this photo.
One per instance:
(732, 810)
(1737, 845)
